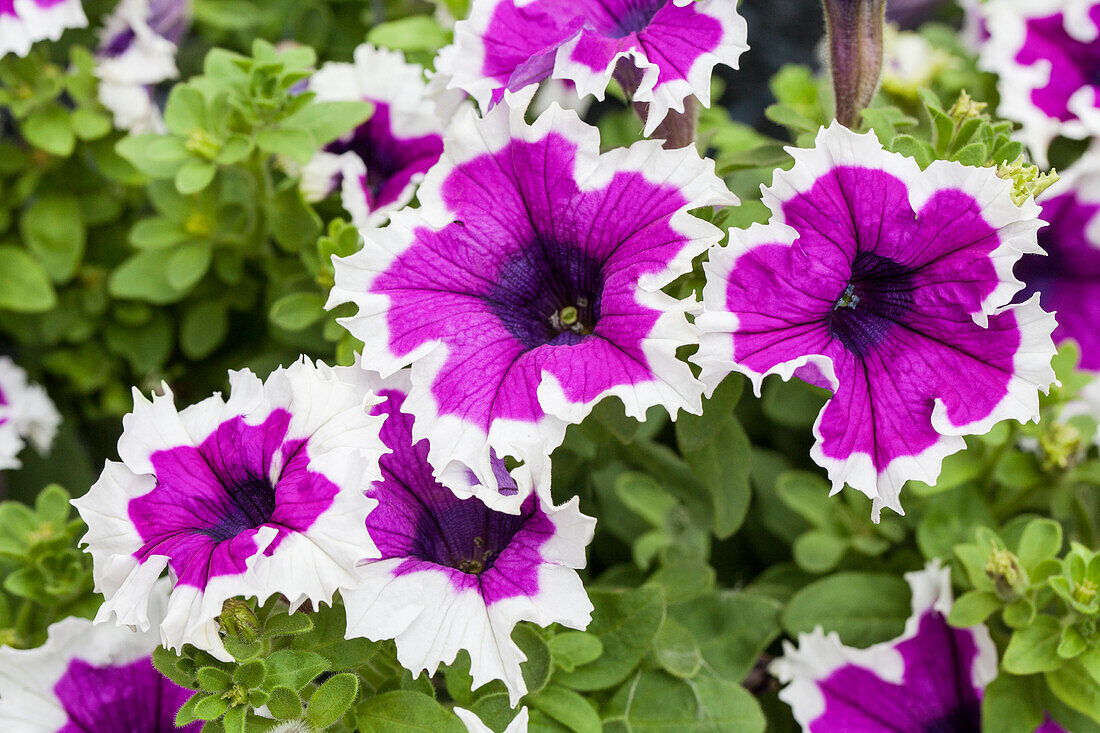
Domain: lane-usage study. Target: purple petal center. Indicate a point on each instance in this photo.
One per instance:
(128, 697)
(548, 293)
(629, 16)
(878, 295)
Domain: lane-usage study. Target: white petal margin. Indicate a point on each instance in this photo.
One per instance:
(464, 64)
(1006, 23)
(818, 654)
(430, 621)
(28, 676)
(32, 23)
(30, 414)
(453, 439)
(378, 75)
(325, 406)
(474, 725)
(123, 79)
(1016, 226)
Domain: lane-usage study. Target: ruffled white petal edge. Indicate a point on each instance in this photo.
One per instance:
(32, 23)
(326, 406)
(378, 75)
(474, 725)
(1015, 225)
(1006, 23)
(29, 411)
(132, 107)
(465, 63)
(452, 438)
(818, 654)
(431, 621)
(28, 676)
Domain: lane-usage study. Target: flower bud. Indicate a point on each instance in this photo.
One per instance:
(239, 620)
(1008, 576)
(855, 30)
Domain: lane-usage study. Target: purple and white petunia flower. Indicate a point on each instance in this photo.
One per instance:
(25, 22)
(90, 679)
(931, 678)
(137, 50)
(889, 286)
(667, 49)
(474, 725)
(1068, 277)
(26, 414)
(1047, 56)
(527, 286)
(378, 165)
(455, 574)
(252, 496)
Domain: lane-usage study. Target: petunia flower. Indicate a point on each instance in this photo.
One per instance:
(1046, 54)
(378, 165)
(90, 679)
(665, 49)
(474, 725)
(257, 495)
(26, 413)
(455, 574)
(889, 286)
(929, 678)
(1068, 277)
(25, 22)
(527, 286)
(137, 50)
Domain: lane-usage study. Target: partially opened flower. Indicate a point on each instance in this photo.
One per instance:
(26, 414)
(90, 679)
(137, 49)
(1046, 54)
(1068, 277)
(378, 165)
(665, 49)
(455, 574)
(474, 725)
(251, 496)
(889, 286)
(25, 22)
(527, 286)
(930, 678)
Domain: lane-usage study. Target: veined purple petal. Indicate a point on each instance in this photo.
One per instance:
(893, 285)
(122, 697)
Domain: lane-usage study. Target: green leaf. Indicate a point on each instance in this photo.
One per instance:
(402, 711)
(212, 679)
(568, 708)
(1041, 540)
(234, 720)
(1011, 704)
(723, 467)
(89, 124)
(790, 118)
(973, 608)
(284, 703)
(1076, 688)
(332, 699)
(297, 145)
(188, 264)
(807, 494)
(287, 624)
(414, 33)
(675, 650)
(186, 714)
(574, 648)
(538, 667)
(24, 285)
(645, 497)
(50, 130)
(910, 146)
(863, 608)
(53, 229)
(293, 668)
(731, 628)
(210, 707)
(655, 702)
(1034, 648)
(819, 551)
(144, 276)
(156, 233)
(185, 110)
(327, 121)
(793, 404)
(974, 154)
(157, 156)
(625, 621)
(203, 328)
(251, 674)
(297, 311)
(693, 432)
(194, 176)
(294, 223)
